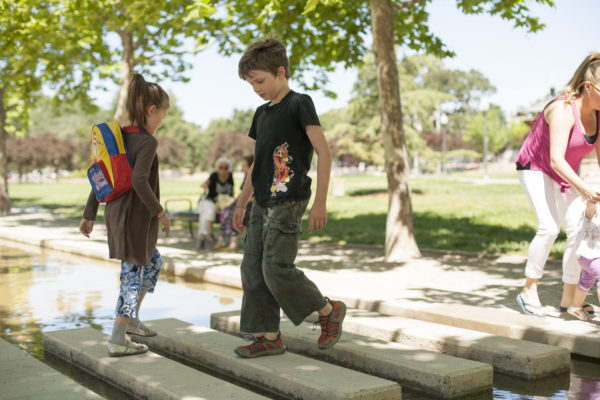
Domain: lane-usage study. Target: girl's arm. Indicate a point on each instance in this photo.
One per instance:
(560, 120)
(86, 225)
(317, 218)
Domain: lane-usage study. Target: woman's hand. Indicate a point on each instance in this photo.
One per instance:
(86, 227)
(591, 193)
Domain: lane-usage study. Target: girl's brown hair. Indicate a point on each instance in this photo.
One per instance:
(588, 70)
(142, 95)
(266, 55)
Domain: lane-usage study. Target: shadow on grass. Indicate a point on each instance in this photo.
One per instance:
(432, 231)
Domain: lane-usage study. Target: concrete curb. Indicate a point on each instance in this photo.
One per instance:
(24, 377)
(435, 374)
(550, 331)
(288, 375)
(143, 376)
(519, 358)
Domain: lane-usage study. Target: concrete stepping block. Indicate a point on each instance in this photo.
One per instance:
(439, 375)
(24, 377)
(147, 375)
(519, 358)
(288, 375)
(578, 337)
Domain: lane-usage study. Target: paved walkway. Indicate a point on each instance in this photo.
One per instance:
(458, 291)
(436, 277)
(438, 280)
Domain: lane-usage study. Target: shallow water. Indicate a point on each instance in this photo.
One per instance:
(48, 291)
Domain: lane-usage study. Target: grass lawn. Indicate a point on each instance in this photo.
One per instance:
(449, 213)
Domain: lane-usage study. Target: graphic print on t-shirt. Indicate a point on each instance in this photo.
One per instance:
(283, 174)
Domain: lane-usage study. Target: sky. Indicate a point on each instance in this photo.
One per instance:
(522, 66)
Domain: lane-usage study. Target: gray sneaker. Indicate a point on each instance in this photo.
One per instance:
(129, 349)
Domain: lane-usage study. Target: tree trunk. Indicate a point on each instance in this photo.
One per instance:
(400, 243)
(4, 199)
(127, 64)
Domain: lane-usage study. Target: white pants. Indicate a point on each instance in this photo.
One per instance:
(552, 207)
(208, 212)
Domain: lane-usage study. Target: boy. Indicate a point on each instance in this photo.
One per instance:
(286, 131)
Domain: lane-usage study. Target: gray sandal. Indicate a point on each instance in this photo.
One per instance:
(129, 349)
(140, 330)
(579, 313)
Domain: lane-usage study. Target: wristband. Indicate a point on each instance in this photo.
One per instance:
(91, 221)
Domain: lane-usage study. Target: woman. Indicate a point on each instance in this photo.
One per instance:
(563, 134)
(218, 187)
(228, 234)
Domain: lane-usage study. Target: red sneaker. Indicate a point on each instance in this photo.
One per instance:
(262, 347)
(331, 325)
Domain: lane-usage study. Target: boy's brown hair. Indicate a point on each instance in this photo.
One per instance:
(266, 55)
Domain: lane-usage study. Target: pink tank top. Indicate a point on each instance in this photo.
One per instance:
(536, 148)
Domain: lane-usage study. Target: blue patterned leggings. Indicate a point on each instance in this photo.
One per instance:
(136, 279)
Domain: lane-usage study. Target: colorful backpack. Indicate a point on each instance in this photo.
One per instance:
(111, 169)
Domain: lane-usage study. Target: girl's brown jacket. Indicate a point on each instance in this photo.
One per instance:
(131, 221)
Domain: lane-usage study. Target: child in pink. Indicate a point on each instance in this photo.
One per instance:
(588, 255)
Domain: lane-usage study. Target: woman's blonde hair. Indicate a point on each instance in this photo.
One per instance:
(588, 70)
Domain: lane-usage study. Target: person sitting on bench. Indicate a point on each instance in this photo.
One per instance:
(218, 186)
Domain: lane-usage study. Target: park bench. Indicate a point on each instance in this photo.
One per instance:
(190, 216)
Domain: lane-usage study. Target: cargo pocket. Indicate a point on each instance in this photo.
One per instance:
(282, 243)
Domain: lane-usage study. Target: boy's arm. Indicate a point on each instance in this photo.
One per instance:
(317, 218)
(243, 199)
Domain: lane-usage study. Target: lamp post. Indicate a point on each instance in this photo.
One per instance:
(485, 105)
(441, 119)
(443, 122)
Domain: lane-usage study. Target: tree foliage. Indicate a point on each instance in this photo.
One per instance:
(321, 33)
(233, 145)
(426, 85)
(151, 38)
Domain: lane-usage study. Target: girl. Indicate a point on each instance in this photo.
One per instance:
(588, 253)
(219, 193)
(132, 219)
(562, 135)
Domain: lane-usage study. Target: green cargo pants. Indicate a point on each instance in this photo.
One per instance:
(270, 278)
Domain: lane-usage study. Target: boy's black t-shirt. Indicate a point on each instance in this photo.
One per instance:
(283, 152)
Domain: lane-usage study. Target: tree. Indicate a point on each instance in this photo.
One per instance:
(187, 134)
(240, 122)
(19, 155)
(498, 131)
(321, 33)
(32, 53)
(233, 145)
(170, 152)
(151, 34)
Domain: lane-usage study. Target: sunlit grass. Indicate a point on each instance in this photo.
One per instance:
(455, 213)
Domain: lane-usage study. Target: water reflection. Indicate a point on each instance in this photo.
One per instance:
(45, 291)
